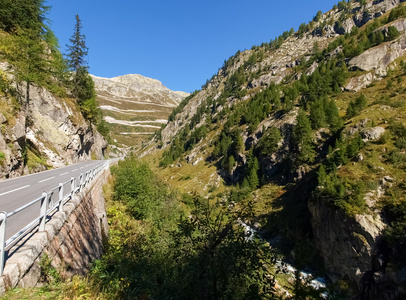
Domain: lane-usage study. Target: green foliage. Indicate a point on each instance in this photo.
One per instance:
(82, 85)
(393, 33)
(234, 83)
(31, 48)
(397, 158)
(49, 274)
(302, 139)
(355, 107)
(22, 14)
(251, 181)
(2, 156)
(398, 130)
(342, 5)
(396, 13)
(317, 114)
(317, 16)
(104, 129)
(138, 188)
(303, 28)
(341, 193)
(268, 144)
(260, 106)
(24, 51)
(202, 254)
(183, 141)
(394, 234)
(77, 50)
(216, 258)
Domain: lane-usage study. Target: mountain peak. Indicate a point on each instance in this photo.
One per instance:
(135, 105)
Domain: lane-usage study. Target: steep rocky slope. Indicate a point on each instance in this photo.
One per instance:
(56, 135)
(311, 125)
(135, 106)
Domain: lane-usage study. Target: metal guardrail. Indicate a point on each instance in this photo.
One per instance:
(48, 204)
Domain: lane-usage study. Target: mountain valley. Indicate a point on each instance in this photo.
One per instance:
(135, 106)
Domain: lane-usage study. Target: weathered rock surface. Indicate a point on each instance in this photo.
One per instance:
(347, 245)
(378, 58)
(56, 132)
(372, 133)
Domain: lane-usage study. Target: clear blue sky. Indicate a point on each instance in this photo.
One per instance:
(179, 42)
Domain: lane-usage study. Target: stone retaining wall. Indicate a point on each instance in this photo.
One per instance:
(72, 239)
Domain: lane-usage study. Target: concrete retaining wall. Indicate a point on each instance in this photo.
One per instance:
(72, 239)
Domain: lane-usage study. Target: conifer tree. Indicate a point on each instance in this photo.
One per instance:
(82, 84)
(77, 49)
(302, 139)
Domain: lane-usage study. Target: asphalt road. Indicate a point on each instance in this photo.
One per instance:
(17, 192)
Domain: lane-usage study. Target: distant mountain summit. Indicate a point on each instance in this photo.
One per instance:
(135, 105)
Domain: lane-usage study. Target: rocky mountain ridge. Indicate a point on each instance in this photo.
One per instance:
(135, 106)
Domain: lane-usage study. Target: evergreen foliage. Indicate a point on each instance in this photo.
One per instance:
(268, 144)
(23, 14)
(302, 139)
(185, 140)
(355, 107)
(82, 85)
(77, 50)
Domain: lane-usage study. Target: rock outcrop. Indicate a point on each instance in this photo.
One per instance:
(54, 134)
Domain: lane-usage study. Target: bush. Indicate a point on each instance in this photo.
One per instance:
(398, 129)
(136, 185)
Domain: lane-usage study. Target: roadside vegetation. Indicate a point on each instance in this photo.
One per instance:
(167, 245)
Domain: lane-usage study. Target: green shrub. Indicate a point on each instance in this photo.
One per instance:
(137, 186)
(398, 130)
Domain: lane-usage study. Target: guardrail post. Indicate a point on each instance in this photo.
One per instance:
(43, 211)
(72, 186)
(60, 197)
(3, 222)
(80, 181)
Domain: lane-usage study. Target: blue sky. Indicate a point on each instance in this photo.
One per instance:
(181, 43)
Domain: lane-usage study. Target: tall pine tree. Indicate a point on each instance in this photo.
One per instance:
(82, 84)
(77, 49)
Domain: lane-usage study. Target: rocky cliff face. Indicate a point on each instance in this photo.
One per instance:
(56, 135)
(135, 106)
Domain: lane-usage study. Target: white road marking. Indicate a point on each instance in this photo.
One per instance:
(20, 188)
(64, 173)
(47, 179)
(75, 170)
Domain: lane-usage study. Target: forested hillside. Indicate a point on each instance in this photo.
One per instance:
(283, 177)
(49, 113)
(308, 127)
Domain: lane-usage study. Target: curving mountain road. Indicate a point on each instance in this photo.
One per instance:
(17, 192)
